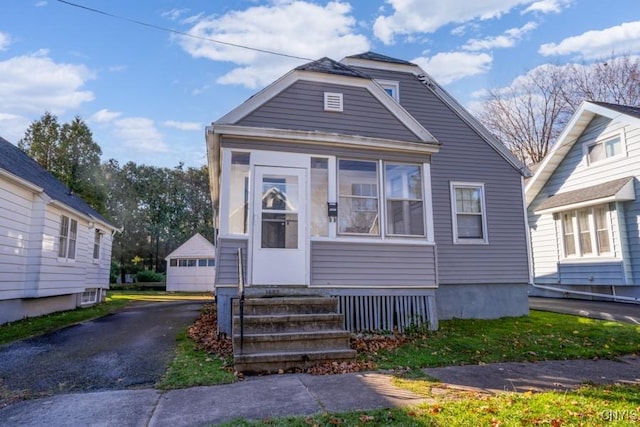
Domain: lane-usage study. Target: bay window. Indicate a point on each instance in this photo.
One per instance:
(585, 232)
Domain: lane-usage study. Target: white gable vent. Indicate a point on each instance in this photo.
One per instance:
(332, 101)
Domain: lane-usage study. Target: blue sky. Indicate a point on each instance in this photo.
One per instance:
(147, 94)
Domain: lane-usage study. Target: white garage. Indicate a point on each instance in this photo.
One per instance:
(192, 266)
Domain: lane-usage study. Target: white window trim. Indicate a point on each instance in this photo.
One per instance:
(454, 214)
(394, 86)
(587, 145)
(99, 233)
(66, 257)
(423, 200)
(593, 235)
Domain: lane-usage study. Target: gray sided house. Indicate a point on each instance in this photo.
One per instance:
(55, 250)
(364, 180)
(584, 206)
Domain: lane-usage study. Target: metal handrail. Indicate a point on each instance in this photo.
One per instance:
(241, 295)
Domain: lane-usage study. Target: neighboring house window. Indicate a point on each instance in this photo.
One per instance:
(404, 199)
(468, 213)
(358, 197)
(603, 150)
(585, 232)
(239, 193)
(97, 240)
(391, 87)
(68, 238)
(192, 262)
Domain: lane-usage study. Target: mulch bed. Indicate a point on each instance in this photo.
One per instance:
(204, 333)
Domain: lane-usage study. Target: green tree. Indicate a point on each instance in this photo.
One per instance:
(41, 141)
(70, 154)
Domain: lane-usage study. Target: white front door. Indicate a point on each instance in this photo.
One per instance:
(279, 226)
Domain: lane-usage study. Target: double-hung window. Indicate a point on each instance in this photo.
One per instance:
(585, 232)
(358, 197)
(604, 150)
(68, 238)
(97, 240)
(468, 213)
(404, 199)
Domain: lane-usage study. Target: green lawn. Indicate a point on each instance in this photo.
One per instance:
(588, 406)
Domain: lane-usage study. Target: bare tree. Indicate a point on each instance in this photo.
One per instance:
(529, 114)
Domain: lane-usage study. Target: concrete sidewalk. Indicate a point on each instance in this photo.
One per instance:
(301, 394)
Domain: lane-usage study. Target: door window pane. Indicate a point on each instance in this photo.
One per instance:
(279, 230)
(280, 193)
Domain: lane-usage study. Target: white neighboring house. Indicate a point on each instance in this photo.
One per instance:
(192, 267)
(55, 250)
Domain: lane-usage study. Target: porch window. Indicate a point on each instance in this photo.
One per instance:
(404, 200)
(239, 193)
(585, 232)
(319, 196)
(68, 238)
(468, 213)
(358, 197)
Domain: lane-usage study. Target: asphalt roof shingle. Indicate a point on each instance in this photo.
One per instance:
(595, 192)
(18, 163)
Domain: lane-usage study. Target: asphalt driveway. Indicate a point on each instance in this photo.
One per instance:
(126, 350)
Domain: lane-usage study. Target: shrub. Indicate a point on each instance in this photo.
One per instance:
(149, 276)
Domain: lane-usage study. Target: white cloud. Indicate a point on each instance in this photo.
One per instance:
(508, 39)
(139, 134)
(623, 38)
(446, 67)
(13, 126)
(419, 16)
(297, 28)
(5, 41)
(104, 116)
(174, 14)
(183, 125)
(548, 6)
(42, 3)
(35, 83)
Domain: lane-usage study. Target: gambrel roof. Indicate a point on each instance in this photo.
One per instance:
(572, 131)
(15, 163)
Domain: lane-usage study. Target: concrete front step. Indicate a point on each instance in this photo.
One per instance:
(288, 323)
(292, 341)
(281, 305)
(273, 362)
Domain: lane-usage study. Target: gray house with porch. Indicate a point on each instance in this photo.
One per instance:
(365, 181)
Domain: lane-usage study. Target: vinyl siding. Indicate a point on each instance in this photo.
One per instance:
(574, 173)
(227, 260)
(372, 264)
(15, 224)
(597, 273)
(301, 107)
(465, 156)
